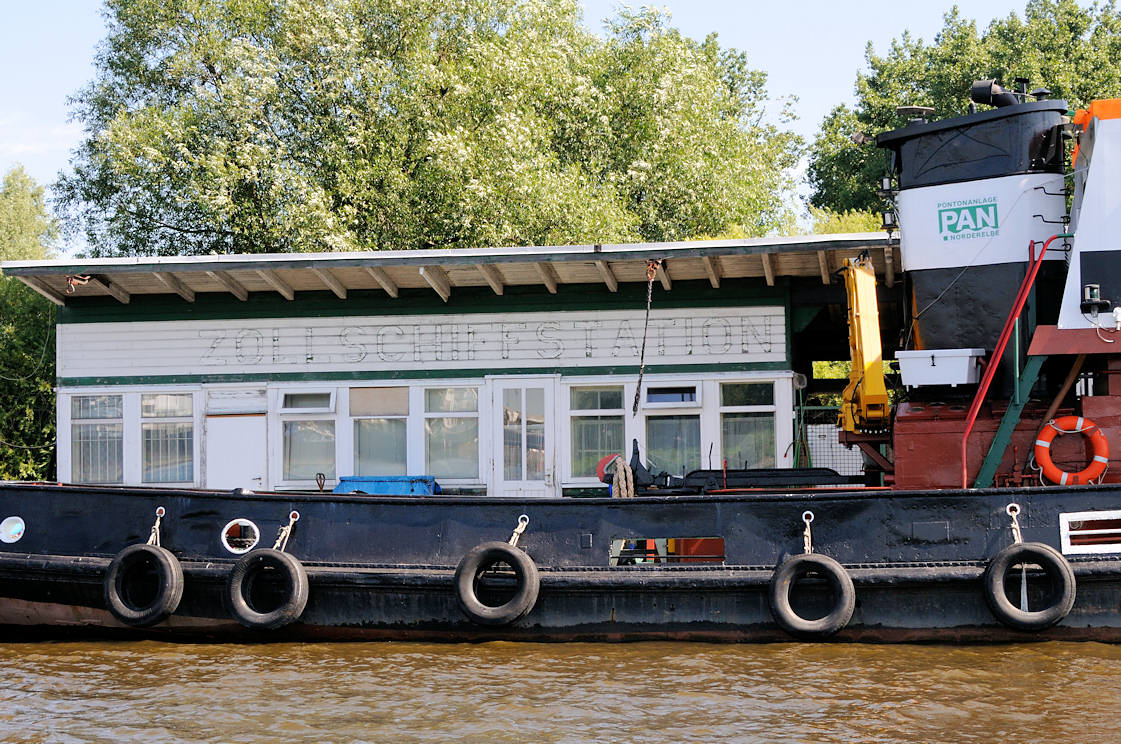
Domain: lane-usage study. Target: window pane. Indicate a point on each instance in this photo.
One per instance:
(168, 452)
(95, 407)
(535, 433)
(379, 447)
(672, 394)
(166, 405)
(451, 447)
(379, 401)
(451, 400)
(597, 398)
(747, 394)
(512, 434)
(673, 443)
(594, 437)
(309, 448)
(748, 439)
(307, 400)
(97, 453)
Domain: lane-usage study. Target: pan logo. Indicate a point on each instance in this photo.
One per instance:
(968, 218)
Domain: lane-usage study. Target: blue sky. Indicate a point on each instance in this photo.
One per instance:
(811, 48)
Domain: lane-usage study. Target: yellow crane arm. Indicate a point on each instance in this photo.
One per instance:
(865, 405)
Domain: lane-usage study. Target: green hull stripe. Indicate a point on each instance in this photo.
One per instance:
(416, 374)
(375, 303)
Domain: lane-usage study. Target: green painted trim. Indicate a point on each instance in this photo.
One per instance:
(374, 303)
(1007, 428)
(416, 374)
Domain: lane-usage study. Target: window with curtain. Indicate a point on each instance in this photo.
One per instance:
(673, 443)
(380, 430)
(96, 439)
(451, 432)
(747, 424)
(597, 426)
(309, 443)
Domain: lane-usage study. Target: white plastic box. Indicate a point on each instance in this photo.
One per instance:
(940, 366)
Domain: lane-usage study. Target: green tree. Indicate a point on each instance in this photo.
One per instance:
(27, 426)
(1072, 50)
(292, 125)
(827, 222)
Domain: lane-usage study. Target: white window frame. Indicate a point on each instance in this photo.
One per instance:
(132, 440)
(722, 409)
(484, 450)
(697, 385)
(193, 419)
(569, 413)
(277, 417)
(351, 421)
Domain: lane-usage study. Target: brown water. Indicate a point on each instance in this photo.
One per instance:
(505, 692)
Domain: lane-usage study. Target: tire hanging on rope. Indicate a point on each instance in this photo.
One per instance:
(652, 266)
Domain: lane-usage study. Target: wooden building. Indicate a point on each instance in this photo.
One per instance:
(510, 371)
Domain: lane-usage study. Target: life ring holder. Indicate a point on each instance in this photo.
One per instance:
(1053, 564)
(126, 596)
(252, 566)
(798, 566)
(1072, 425)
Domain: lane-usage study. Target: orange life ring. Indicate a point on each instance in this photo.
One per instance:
(1072, 425)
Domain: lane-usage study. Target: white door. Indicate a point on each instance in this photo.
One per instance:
(236, 451)
(524, 453)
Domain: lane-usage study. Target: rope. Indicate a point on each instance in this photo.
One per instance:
(651, 272)
(622, 483)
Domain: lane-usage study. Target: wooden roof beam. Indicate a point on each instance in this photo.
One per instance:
(548, 276)
(232, 285)
(273, 280)
(493, 277)
(437, 278)
(382, 277)
(663, 275)
(713, 269)
(331, 281)
(117, 291)
(768, 269)
(176, 285)
(608, 275)
(38, 285)
(823, 264)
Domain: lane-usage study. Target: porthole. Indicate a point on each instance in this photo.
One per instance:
(239, 536)
(12, 529)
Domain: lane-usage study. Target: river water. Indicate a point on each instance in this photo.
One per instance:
(507, 692)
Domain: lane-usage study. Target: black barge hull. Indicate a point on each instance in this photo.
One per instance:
(384, 567)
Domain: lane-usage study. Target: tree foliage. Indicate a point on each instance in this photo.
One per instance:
(293, 125)
(1072, 50)
(27, 428)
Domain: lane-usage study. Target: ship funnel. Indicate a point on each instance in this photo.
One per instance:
(991, 94)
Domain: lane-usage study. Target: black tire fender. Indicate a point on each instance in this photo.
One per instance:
(248, 569)
(479, 559)
(1058, 571)
(122, 582)
(782, 585)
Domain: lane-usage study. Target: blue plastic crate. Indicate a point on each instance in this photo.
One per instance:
(389, 485)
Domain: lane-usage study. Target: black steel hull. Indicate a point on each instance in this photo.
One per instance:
(383, 567)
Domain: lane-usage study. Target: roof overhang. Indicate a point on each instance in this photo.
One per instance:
(442, 271)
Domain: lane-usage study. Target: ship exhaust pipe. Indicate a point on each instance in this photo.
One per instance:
(990, 93)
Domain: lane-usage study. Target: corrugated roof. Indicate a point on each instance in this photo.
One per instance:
(444, 270)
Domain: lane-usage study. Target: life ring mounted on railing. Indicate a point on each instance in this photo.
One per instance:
(1072, 425)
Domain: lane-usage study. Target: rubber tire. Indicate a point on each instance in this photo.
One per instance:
(1053, 564)
(480, 558)
(241, 578)
(782, 584)
(168, 595)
